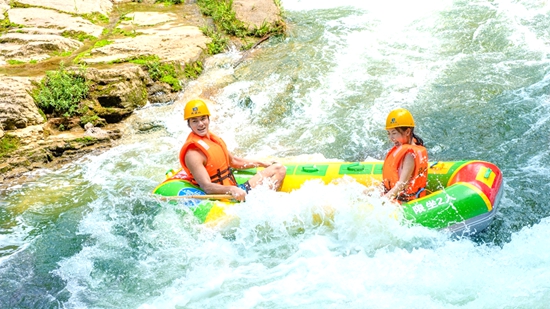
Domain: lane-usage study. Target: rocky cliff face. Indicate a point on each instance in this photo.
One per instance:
(17, 107)
(103, 35)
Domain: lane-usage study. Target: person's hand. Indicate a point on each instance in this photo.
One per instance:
(237, 193)
(264, 163)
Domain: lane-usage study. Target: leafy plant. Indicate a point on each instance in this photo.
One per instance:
(93, 119)
(158, 70)
(143, 60)
(224, 17)
(172, 81)
(164, 72)
(193, 70)
(61, 91)
(218, 43)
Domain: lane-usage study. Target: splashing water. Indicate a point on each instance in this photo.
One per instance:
(475, 74)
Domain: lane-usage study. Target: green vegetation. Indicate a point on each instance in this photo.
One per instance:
(247, 45)
(143, 60)
(170, 1)
(169, 73)
(102, 43)
(126, 18)
(164, 72)
(83, 54)
(86, 140)
(218, 43)
(77, 35)
(96, 18)
(61, 91)
(193, 70)
(8, 144)
(15, 62)
(62, 53)
(224, 18)
(6, 24)
(119, 31)
(16, 4)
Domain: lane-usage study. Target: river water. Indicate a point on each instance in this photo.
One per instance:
(475, 75)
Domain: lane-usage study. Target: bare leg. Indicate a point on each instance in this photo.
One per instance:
(273, 175)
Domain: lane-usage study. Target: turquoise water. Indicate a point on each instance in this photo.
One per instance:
(475, 75)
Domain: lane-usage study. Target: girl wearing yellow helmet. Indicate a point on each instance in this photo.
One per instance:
(405, 168)
(208, 163)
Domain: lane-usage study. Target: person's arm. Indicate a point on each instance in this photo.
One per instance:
(404, 177)
(241, 163)
(195, 161)
(273, 174)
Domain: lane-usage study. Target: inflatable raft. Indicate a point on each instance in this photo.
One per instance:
(462, 197)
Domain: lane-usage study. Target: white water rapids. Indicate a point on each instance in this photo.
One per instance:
(476, 76)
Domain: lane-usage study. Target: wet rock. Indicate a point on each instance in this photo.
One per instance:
(161, 93)
(118, 90)
(143, 127)
(170, 42)
(52, 20)
(43, 33)
(17, 107)
(62, 124)
(257, 12)
(95, 132)
(148, 18)
(4, 6)
(27, 47)
(74, 6)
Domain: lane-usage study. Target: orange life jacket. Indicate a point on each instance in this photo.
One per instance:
(217, 158)
(392, 165)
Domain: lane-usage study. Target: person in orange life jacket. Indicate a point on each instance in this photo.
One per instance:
(405, 169)
(205, 157)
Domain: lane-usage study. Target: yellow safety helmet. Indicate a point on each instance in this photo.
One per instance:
(195, 108)
(399, 118)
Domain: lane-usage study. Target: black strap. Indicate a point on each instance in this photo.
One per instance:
(220, 176)
(404, 197)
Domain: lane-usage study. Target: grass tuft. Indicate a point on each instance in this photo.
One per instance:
(61, 91)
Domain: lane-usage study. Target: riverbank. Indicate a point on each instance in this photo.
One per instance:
(130, 55)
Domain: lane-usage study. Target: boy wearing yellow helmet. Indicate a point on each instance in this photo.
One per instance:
(405, 168)
(205, 158)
